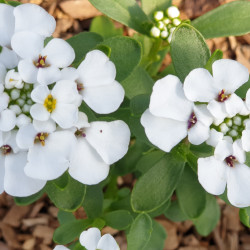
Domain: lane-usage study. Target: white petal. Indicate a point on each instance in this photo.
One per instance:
(203, 115)
(234, 105)
(238, 185)
(22, 120)
(248, 99)
(212, 175)
(60, 247)
(109, 139)
(107, 242)
(48, 75)
(45, 126)
(245, 110)
(52, 160)
(34, 18)
(238, 151)
(69, 73)
(10, 139)
(27, 44)
(217, 109)
(2, 172)
(65, 91)
(246, 140)
(199, 86)
(40, 93)
(7, 120)
(198, 133)
(65, 115)
(16, 183)
(96, 69)
(163, 132)
(86, 165)
(9, 58)
(25, 136)
(229, 74)
(4, 101)
(82, 121)
(89, 239)
(104, 99)
(214, 137)
(39, 112)
(28, 71)
(223, 150)
(2, 76)
(168, 99)
(59, 53)
(7, 24)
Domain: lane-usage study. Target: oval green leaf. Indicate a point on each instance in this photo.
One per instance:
(188, 50)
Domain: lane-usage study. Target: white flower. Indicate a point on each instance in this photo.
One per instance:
(41, 64)
(13, 80)
(12, 161)
(171, 116)
(48, 151)
(31, 17)
(226, 167)
(96, 82)
(58, 104)
(218, 90)
(99, 144)
(91, 239)
(8, 58)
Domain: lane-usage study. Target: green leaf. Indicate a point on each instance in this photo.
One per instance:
(241, 92)
(232, 19)
(126, 12)
(208, 220)
(65, 217)
(105, 49)
(160, 210)
(156, 186)
(93, 201)
(69, 231)
(218, 54)
(68, 198)
(125, 54)
(127, 164)
(139, 104)
(191, 195)
(150, 6)
(188, 50)
(140, 232)
(13, 3)
(158, 236)
(245, 216)
(148, 160)
(119, 219)
(83, 43)
(104, 27)
(24, 201)
(139, 82)
(174, 212)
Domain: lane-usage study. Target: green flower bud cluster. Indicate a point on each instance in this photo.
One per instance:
(234, 126)
(165, 23)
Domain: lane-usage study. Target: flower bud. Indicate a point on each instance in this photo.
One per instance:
(173, 12)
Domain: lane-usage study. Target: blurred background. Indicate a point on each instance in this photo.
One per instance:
(32, 227)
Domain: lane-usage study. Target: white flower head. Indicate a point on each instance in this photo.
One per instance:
(41, 64)
(13, 80)
(226, 167)
(13, 180)
(91, 239)
(99, 144)
(171, 116)
(59, 104)
(96, 82)
(218, 90)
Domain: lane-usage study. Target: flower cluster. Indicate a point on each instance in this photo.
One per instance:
(42, 132)
(166, 23)
(91, 239)
(206, 109)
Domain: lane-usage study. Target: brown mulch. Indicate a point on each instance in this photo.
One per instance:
(32, 227)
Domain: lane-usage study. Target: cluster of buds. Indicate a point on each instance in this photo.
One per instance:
(165, 23)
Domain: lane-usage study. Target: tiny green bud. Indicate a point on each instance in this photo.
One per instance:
(224, 128)
(164, 34)
(158, 15)
(176, 22)
(233, 133)
(155, 32)
(229, 123)
(160, 25)
(20, 102)
(237, 120)
(15, 94)
(173, 12)
(166, 21)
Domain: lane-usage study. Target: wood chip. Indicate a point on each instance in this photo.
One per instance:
(35, 221)
(29, 244)
(9, 236)
(44, 232)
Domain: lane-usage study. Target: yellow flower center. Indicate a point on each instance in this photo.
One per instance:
(50, 103)
(40, 137)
